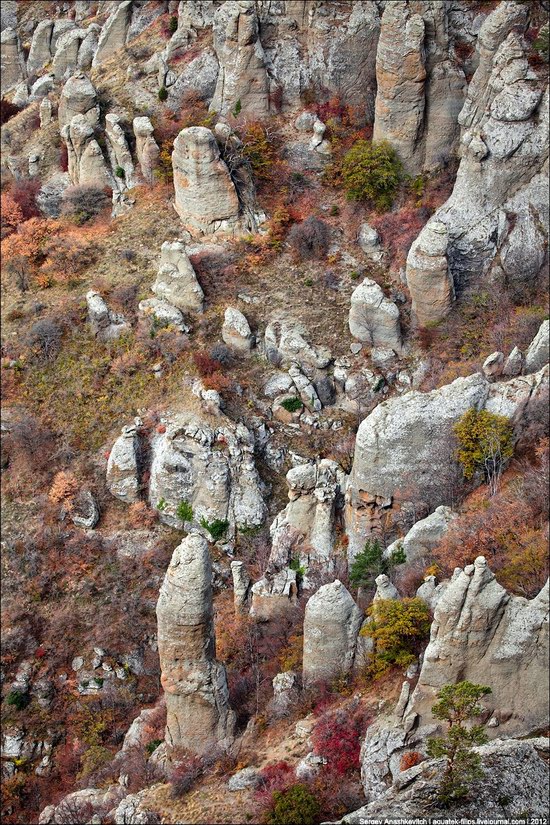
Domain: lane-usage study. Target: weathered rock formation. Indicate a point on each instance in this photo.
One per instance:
(147, 150)
(503, 172)
(114, 32)
(274, 595)
(206, 198)
(331, 624)
(120, 157)
(306, 527)
(373, 318)
(106, 324)
(209, 466)
(236, 331)
(86, 164)
(176, 281)
(424, 535)
(242, 77)
(482, 634)
(537, 354)
(403, 448)
(241, 585)
(40, 52)
(420, 90)
(12, 65)
(78, 97)
(123, 478)
(517, 766)
(285, 343)
(197, 701)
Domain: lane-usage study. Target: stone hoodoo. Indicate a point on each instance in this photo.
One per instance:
(176, 281)
(13, 61)
(242, 77)
(86, 164)
(499, 201)
(331, 624)
(78, 97)
(114, 32)
(206, 198)
(197, 701)
(482, 634)
(147, 149)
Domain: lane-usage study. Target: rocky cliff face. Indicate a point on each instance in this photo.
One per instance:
(483, 635)
(198, 713)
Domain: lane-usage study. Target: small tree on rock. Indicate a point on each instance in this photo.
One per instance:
(485, 443)
(371, 562)
(457, 705)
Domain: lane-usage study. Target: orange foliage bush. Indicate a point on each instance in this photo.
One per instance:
(410, 759)
(11, 212)
(141, 516)
(63, 489)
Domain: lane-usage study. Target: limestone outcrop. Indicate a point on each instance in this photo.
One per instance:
(274, 595)
(403, 448)
(206, 198)
(114, 32)
(424, 535)
(242, 78)
(285, 343)
(12, 65)
(331, 624)
(123, 476)
(482, 634)
(147, 150)
(236, 332)
(537, 354)
(428, 276)
(176, 281)
(420, 89)
(197, 700)
(306, 527)
(373, 318)
(40, 51)
(86, 164)
(211, 467)
(106, 324)
(78, 97)
(503, 172)
(120, 157)
(519, 766)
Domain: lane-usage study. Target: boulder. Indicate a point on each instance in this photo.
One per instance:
(199, 76)
(243, 81)
(424, 536)
(331, 625)
(285, 692)
(114, 32)
(513, 364)
(537, 354)
(132, 810)
(244, 779)
(147, 150)
(369, 241)
(123, 476)
(78, 97)
(106, 325)
(285, 344)
(163, 313)
(373, 318)
(85, 512)
(197, 699)
(176, 281)
(385, 589)
(206, 199)
(482, 634)
(236, 331)
(493, 365)
(274, 595)
(82, 805)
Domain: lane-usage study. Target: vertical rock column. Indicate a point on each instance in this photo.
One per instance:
(197, 701)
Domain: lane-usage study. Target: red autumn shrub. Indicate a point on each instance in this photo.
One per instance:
(205, 364)
(24, 192)
(410, 759)
(7, 110)
(337, 738)
(276, 777)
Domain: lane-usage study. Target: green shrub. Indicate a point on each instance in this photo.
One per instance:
(184, 511)
(291, 404)
(397, 629)
(542, 43)
(119, 172)
(237, 110)
(216, 528)
(173, 25)
(295, 806)
(163, 93)
(18, 698)
(370, 563)
(152, 746)
(161, 504)
(371, 172)
(458, 704)
(298, 568)
(485, 443)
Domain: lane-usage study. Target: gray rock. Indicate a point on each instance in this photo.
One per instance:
(147, 149)
(424, 536)
(513, 364)
(241, 585)
(236, 331)
(244, 779)
(285, 344)
(85, 512)
(369, 241)
(176, 281)
(274, 595)
(164, 313)
(106, 325)
(12, 61)
(132, 811)
(373, 318)
(45, 113)
(385, 589)
(278, 384)
(537, 354)
(304, 122)
(78, 97)
(428, 276)
(114, 32)
(122, 467)
(119, 152)
(197, 701)
(493, 365)
(40, 52)
(331, 624)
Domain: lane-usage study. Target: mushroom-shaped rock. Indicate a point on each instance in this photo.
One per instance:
(236, 331)
(176, 281)
(537, 354)
(373, 318)
(331, 624)
(206, 198)
(428, 276)
(122, 466)
(197, 699)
